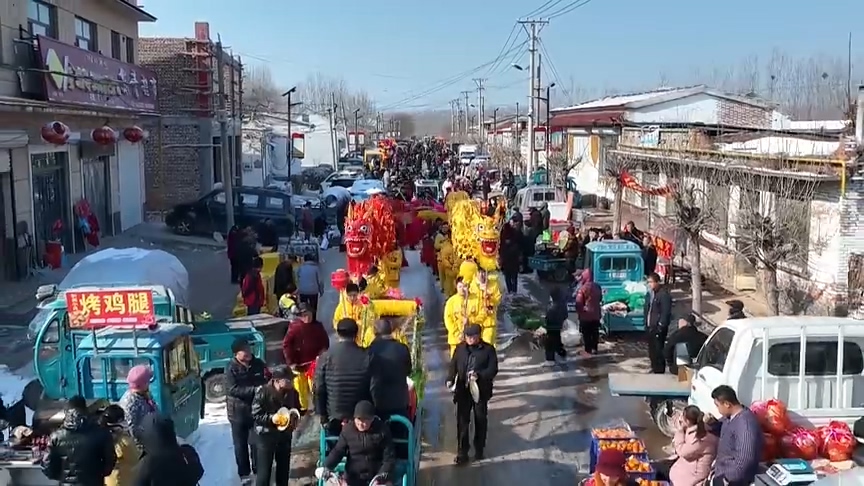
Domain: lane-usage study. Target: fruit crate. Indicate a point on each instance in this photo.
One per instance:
(642, 456)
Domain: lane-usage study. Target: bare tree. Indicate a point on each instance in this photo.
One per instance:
(505, 157)
(773, 223)
(260, 92)
(807, 88)
(319, 91)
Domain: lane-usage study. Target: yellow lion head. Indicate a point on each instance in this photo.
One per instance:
(474, 235)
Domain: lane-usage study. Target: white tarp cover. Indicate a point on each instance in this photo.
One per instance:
(130, 267)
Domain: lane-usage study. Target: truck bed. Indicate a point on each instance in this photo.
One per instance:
(647, 385)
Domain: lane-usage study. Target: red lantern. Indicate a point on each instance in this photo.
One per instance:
(104, 135)
(56, 133)
(339, 279)
(134, 134)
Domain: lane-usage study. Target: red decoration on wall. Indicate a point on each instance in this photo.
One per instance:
(134, 134)
(104, 135)
(628, 181)
(56, 133)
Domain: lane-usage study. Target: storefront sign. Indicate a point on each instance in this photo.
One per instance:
(103, 308)
(81, 77)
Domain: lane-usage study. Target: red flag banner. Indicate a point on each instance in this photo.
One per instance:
(628, 181)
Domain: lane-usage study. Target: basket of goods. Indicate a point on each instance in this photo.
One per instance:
(639, 467)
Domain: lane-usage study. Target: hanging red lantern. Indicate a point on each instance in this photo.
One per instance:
(104, 135)
(134, 134)
(56, 133)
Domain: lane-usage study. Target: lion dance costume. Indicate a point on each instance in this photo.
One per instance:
(475, 238)
(370, 236)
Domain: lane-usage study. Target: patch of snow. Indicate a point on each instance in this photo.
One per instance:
(12, 385)
(213, 442)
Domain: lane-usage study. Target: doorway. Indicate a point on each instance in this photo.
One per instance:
(97, 190)
(50, 199)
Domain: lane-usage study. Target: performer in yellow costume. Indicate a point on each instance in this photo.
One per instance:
(446, 259)
(475, 239)
(358, 307)
(375, 285)
(460, 310)
(391, 264)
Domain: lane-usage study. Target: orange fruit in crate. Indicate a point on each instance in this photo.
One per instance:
(614, 433)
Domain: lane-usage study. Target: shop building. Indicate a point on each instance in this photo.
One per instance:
(73, 102)
(183, 157)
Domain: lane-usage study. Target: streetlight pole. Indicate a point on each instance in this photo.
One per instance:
(290, 150)
(495, 126)
(357, 130)
(548, 128)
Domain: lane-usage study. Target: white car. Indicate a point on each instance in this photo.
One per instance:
(364, 188)
(343, 178)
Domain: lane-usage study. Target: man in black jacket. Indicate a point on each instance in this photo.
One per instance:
(244, 374)
(472, 370)
(342, 378)
(510, 249)
(390, 369)
(687, 334)
(274, 441)
(555, 317)
(368, 446)
(79, 453)
(658, 316)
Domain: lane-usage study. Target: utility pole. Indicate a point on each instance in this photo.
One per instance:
(290, 135)
(467, 106)
(518, 133)
(331, 112)
(538, 88)
(378, 126)
(452, 118)
(227, 173)
(495, 126)
(532, 27)
(345, 125)
(357, 129)
(480, 121)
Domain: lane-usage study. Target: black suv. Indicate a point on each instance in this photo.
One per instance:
(252, 205)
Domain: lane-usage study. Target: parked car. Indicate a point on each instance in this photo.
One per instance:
(343, 178)
(252, 205)
(362, 189)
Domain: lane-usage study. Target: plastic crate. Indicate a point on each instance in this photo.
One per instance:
(594, 453)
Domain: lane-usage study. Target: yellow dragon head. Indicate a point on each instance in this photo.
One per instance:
(474, 234)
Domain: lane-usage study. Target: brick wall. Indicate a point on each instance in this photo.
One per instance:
(738, 114)
(174, 173)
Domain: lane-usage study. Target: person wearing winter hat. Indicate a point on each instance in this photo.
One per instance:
(136, 402)
(610, 469)
(367, 445)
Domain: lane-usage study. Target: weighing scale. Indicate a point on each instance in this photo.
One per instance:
(791, 471)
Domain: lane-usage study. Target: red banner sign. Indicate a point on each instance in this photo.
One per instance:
(665, 248)
(103, 308)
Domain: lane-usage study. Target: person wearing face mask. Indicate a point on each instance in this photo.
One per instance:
(658, 316)
(244, 374)
(470, 375)
(367, 444)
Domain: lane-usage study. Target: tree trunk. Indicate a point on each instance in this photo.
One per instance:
(616, 205)
(696, 275)
(772, 293)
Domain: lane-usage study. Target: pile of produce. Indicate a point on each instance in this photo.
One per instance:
(783, 439)
(619, 437)
(525, 312)
(629, 298)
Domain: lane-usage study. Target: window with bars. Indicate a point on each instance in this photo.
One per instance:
(116, 45)
(42, 19)
(85, 35)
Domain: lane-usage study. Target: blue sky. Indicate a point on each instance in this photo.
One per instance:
(408, 54)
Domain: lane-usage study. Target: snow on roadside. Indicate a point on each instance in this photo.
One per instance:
(213, 442)
(12, 385)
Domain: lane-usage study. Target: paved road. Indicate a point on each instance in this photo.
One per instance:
(539, 419)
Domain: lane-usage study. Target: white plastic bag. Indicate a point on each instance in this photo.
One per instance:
(570, 335)
(325, 243)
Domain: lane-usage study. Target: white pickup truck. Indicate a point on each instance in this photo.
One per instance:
(815, 365)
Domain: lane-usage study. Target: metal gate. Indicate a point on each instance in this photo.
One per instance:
(50, 197)
(96, 190)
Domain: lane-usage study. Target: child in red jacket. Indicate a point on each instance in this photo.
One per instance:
(252, 288)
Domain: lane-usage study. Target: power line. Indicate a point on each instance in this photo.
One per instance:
(502, 67)
(551, 66)
(568, 8)
(550, 4)
(446, 83)
(507, 45)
